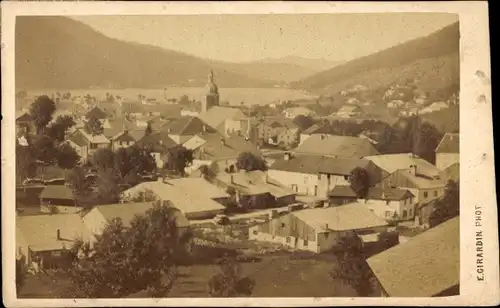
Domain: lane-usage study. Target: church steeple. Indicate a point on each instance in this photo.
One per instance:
(212, 94)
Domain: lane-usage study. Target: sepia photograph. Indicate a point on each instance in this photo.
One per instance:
(298, 155)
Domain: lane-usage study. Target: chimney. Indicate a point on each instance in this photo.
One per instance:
(231, 179)
(413, 169)
(58, 234)
(325, 226)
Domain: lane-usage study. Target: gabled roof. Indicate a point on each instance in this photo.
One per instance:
(187, 126)
(124, 137)
(254, 183)
(351, 216)
(25, 117)
(189, 195)
(392, 162)
(97, 113)
(374, 193)
(101, 139)
(117, 126)
(216, 115)
(194, 143)
(128, 211)
(340, 146)
(312, 164)
(157, 142)
(40, 231)
(401, 177)
(79, 139)
(218, 147)
(390, 194)
(449, 144)
(425, 266)
(57, 192)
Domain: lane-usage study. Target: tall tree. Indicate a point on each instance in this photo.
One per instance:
(103, 159)
(178, 158)
(447, 207)
(25, 163)
(149, 129)
(67, 157)
(81, 187)
(229, 282)
(44, 149)
(58, 130)
(350, 267)
(250, 162)
(360, 181)
(93, 126)
(108, 189)
(129, 260)
(426, 140)
(41, 110)
(303, 122)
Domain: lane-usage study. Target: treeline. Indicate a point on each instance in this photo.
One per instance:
(45, 146)
(407, 135)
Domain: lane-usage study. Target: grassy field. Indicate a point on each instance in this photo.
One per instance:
(279, 275)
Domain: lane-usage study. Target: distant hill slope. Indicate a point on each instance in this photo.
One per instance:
(286, 69)
(58, 52)
(433, 60)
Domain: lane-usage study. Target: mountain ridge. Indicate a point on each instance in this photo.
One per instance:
(428, 51)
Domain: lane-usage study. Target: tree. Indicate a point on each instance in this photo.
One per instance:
(25, 163)
(20, 273)
(44, 149)
(427, 138)
(129, 260)
(350, 267)
(41, 110)
(447, 207)
(58, 130)
(184, 100)
(178, 158)
(93, 126)
(303, 122)
(229, 281)
(148, 130)
(67, 157)
(82, 191)
(360, 181)
(250, 162)
(103, 159)
(108, 190)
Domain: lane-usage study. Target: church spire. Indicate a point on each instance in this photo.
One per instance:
(211, 76)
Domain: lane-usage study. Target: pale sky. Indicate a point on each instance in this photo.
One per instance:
(239, 38)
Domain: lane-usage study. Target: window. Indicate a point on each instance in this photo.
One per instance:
(288, 239)
(121, 142)
(295, 188)
(93, 146)
(411, 212)
(282, 224)
(387, 214)
(255, 232)
(404, 214)
(435, 193)
(305, 243)
(425, 194)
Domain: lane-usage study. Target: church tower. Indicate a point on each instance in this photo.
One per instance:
(212, 96)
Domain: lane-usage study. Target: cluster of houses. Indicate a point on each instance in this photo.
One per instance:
(313, 172)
